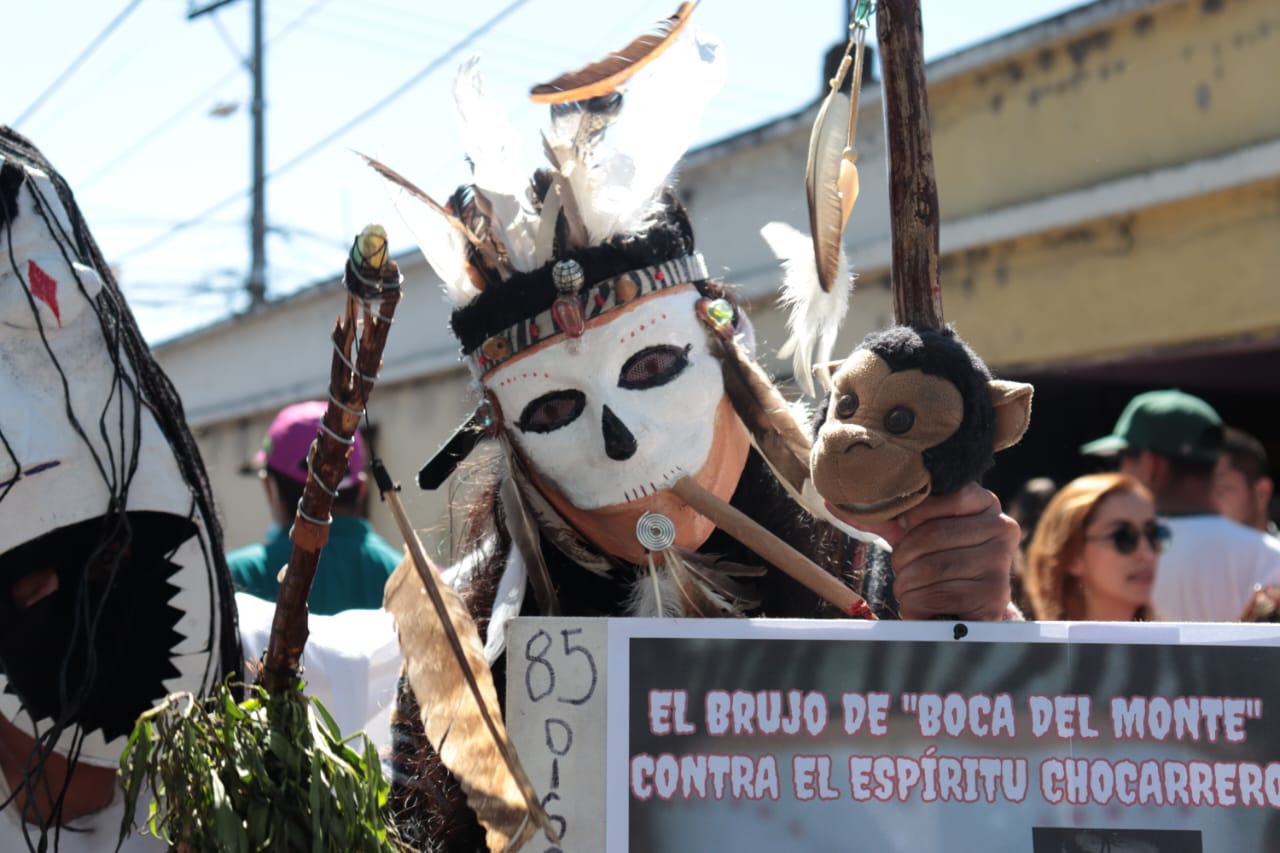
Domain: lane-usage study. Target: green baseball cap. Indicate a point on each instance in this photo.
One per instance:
(1170, 422)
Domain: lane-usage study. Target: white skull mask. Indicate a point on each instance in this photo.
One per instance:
(622, 412)
(77, 439)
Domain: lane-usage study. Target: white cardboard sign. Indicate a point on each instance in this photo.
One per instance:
(760, 735)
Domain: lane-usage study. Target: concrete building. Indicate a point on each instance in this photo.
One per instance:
(1109, 183)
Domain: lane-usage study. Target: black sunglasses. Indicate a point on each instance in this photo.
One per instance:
(1126, 537)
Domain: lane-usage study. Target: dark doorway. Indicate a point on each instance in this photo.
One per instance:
(1074, 404)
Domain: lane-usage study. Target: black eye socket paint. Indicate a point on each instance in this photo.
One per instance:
(654, 366)
(552, 411)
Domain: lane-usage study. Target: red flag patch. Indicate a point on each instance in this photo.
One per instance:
(45, 288)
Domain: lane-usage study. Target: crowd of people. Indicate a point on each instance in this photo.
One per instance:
(1180, 532)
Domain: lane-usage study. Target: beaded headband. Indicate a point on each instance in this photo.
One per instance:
(578, 303)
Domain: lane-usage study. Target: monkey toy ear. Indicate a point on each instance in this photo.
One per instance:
(1012, 404)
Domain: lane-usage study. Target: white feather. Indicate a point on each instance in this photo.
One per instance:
(498, 170)
(444, 248)
(814, 316)
(654, 595)
(661, 107)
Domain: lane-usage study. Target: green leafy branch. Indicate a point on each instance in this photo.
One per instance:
(271, 772)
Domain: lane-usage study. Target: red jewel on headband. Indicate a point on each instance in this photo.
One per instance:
(566, 311)
(660, 275)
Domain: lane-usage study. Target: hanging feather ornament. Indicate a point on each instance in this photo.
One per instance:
(817, 281)
(831, 173)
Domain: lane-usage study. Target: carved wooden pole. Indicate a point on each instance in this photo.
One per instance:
(373, 291)
(913, 192)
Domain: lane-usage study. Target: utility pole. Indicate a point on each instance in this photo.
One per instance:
(256, 284)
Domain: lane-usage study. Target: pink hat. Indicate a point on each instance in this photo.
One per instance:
(289, 438)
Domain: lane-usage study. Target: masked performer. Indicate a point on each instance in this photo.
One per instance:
(610, 365)
(113, 586)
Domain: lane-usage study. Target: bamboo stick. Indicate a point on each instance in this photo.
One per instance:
(771, 548)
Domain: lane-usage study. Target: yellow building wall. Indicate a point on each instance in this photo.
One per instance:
(1181, 81)
(1197, 271)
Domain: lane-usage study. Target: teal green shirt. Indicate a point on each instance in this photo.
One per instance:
(354, 567)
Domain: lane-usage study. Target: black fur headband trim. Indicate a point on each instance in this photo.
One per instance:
(594, 299)
(526, 295)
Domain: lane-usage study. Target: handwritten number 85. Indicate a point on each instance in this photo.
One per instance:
(542, 684)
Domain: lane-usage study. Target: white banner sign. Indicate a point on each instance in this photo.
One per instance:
(760, 735)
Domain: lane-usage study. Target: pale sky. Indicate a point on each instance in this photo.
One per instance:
(132, 124)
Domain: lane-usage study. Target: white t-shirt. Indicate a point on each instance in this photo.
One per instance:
(1210, 568)
(351, 664)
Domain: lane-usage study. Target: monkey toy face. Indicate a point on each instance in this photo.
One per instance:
(912, 412)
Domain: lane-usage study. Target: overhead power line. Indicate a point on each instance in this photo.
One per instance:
(77, 62)
(310, 151)
(135, 148)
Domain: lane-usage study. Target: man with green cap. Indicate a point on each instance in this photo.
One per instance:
(1171, 441)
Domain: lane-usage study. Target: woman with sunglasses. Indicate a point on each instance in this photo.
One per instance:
(1094, 553)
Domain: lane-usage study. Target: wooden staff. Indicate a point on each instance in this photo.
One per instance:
(913, 191)
(373, 291)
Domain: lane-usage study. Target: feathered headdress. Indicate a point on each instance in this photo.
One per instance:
(524, 259)
(616, 131)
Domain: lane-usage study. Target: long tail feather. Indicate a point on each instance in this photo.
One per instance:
(606, 75)
(454, 689)
(441, 237)
(661, 109)
(404, 183)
